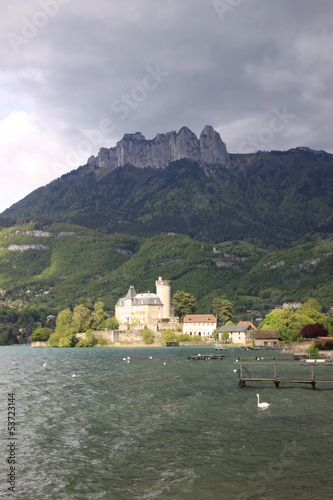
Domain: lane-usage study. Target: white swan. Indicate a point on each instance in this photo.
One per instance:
(263, 406)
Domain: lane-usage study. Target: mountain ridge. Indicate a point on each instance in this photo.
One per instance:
(159, 152)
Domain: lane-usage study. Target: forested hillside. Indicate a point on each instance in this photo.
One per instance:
(258, 233)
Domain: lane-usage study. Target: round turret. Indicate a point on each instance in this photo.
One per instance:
(163, 290)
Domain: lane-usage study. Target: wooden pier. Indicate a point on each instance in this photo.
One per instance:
(277, 380)
(206, 357)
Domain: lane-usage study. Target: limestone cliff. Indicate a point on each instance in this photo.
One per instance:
(159, 152)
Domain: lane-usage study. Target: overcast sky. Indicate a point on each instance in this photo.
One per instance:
(78, 74)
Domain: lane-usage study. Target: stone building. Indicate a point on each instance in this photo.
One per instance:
(266, 338)
(145, 308)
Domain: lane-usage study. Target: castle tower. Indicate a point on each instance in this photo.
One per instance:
(163, 291)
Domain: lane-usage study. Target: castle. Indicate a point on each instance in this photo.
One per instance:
(145, 308)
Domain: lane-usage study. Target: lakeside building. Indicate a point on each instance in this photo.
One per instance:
(266, 338)
(145, 308)
(199, 324)
(241, 335)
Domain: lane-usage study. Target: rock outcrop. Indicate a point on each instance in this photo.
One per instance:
(159, 152)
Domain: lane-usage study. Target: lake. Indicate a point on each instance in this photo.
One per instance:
(161, 428)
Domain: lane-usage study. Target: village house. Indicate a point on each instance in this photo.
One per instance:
(241, 335)
(266, 338)
(199, 324)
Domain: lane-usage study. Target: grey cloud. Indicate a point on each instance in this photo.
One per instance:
(230, 73)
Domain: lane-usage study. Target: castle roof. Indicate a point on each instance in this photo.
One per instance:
(146, 298)
(139, 299)
(131, 292)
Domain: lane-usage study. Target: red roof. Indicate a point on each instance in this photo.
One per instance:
(199, 318)
(247, 323)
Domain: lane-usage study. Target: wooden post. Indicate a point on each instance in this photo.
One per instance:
(313, 383)
(276, 381)
(240, 375)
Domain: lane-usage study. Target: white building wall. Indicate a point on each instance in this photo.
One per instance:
(203, 329)
(240, 338)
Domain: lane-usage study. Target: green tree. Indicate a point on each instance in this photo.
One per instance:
(8, 338)
(82, 301)
(169, 336)
(290, 322)
(98, 314)
(313, 351)
(225, 336)
(82, 318)
(68, 340)
(147, 336)
(41, 334)
(184, 303)
(223, 309)
(283, 320)
(64, 322)
(88, 340)
(110, 324)
(215, 334)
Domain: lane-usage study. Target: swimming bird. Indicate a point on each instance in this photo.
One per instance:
(263, 406)
(44, 364)
(73, 376)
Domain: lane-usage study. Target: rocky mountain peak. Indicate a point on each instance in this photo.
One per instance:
(212, 149)
(159, 152)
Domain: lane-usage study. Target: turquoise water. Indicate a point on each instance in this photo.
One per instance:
(149, 430)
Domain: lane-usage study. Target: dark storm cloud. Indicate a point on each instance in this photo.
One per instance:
(154, 66)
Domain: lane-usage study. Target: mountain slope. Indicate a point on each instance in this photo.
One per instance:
(272, 198)
(55, 264)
